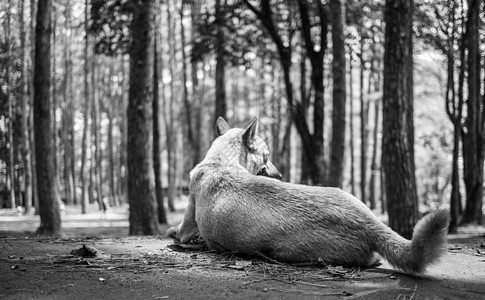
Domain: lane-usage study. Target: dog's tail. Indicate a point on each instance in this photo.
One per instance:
(426, 247)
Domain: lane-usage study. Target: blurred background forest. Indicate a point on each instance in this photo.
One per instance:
(288, 62)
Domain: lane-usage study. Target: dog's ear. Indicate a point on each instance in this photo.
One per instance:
(221, 126)
(249, 134)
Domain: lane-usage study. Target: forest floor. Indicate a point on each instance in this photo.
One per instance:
(132, 267)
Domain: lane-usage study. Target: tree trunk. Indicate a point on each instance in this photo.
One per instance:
(95, 131)
(221, 105)
(141, 182)
(398, 131)
(455, 113)
(50, 221)
(383, 190)
(170, 119)
(455, 184)
(35, 194)
(68, 115)
(123, 166)
(317, 71)
(305, 103)
(110, 111)
(87, 101)
(55, 134)
(26, 111)
(473, 151)
(363, 121)
(373, 86)
(189, 129)
(276, 125)
(337, 149)
(157, 149)
(196, 99)
(351, 125)
(374, 166)
(71, 143)
(11, 150)
(65, 136)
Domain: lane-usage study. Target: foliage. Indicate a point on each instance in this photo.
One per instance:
(247, 40)
(110, 21)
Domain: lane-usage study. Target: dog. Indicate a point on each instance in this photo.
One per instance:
(234, 209)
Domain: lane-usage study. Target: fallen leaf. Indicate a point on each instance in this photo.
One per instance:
(102, 279)
(14, 267)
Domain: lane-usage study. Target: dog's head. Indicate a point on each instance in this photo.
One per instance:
(253, 151)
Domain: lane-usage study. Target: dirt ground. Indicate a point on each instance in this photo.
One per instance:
(128, 267)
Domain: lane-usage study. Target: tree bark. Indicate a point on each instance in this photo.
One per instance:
(141, 183)
(374, 166)
(305, 104)
(170, 119)
(97, 188)
(473, 152)
(50, 221)
(337, 148)
(87, 101)
(373, 87)
(35, 194)
(196, 105)
(454, 109)
(157, 149)
(70, 123)
(374, 193)
(110, 111)
(221, 105)
(351, 123)
(11, 150)
(55, 134)
(123, 166)
(68, 116)
(26, 111)
(363, 125)
(317, 61)
(398, 132)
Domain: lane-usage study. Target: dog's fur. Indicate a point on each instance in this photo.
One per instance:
(234, 210)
